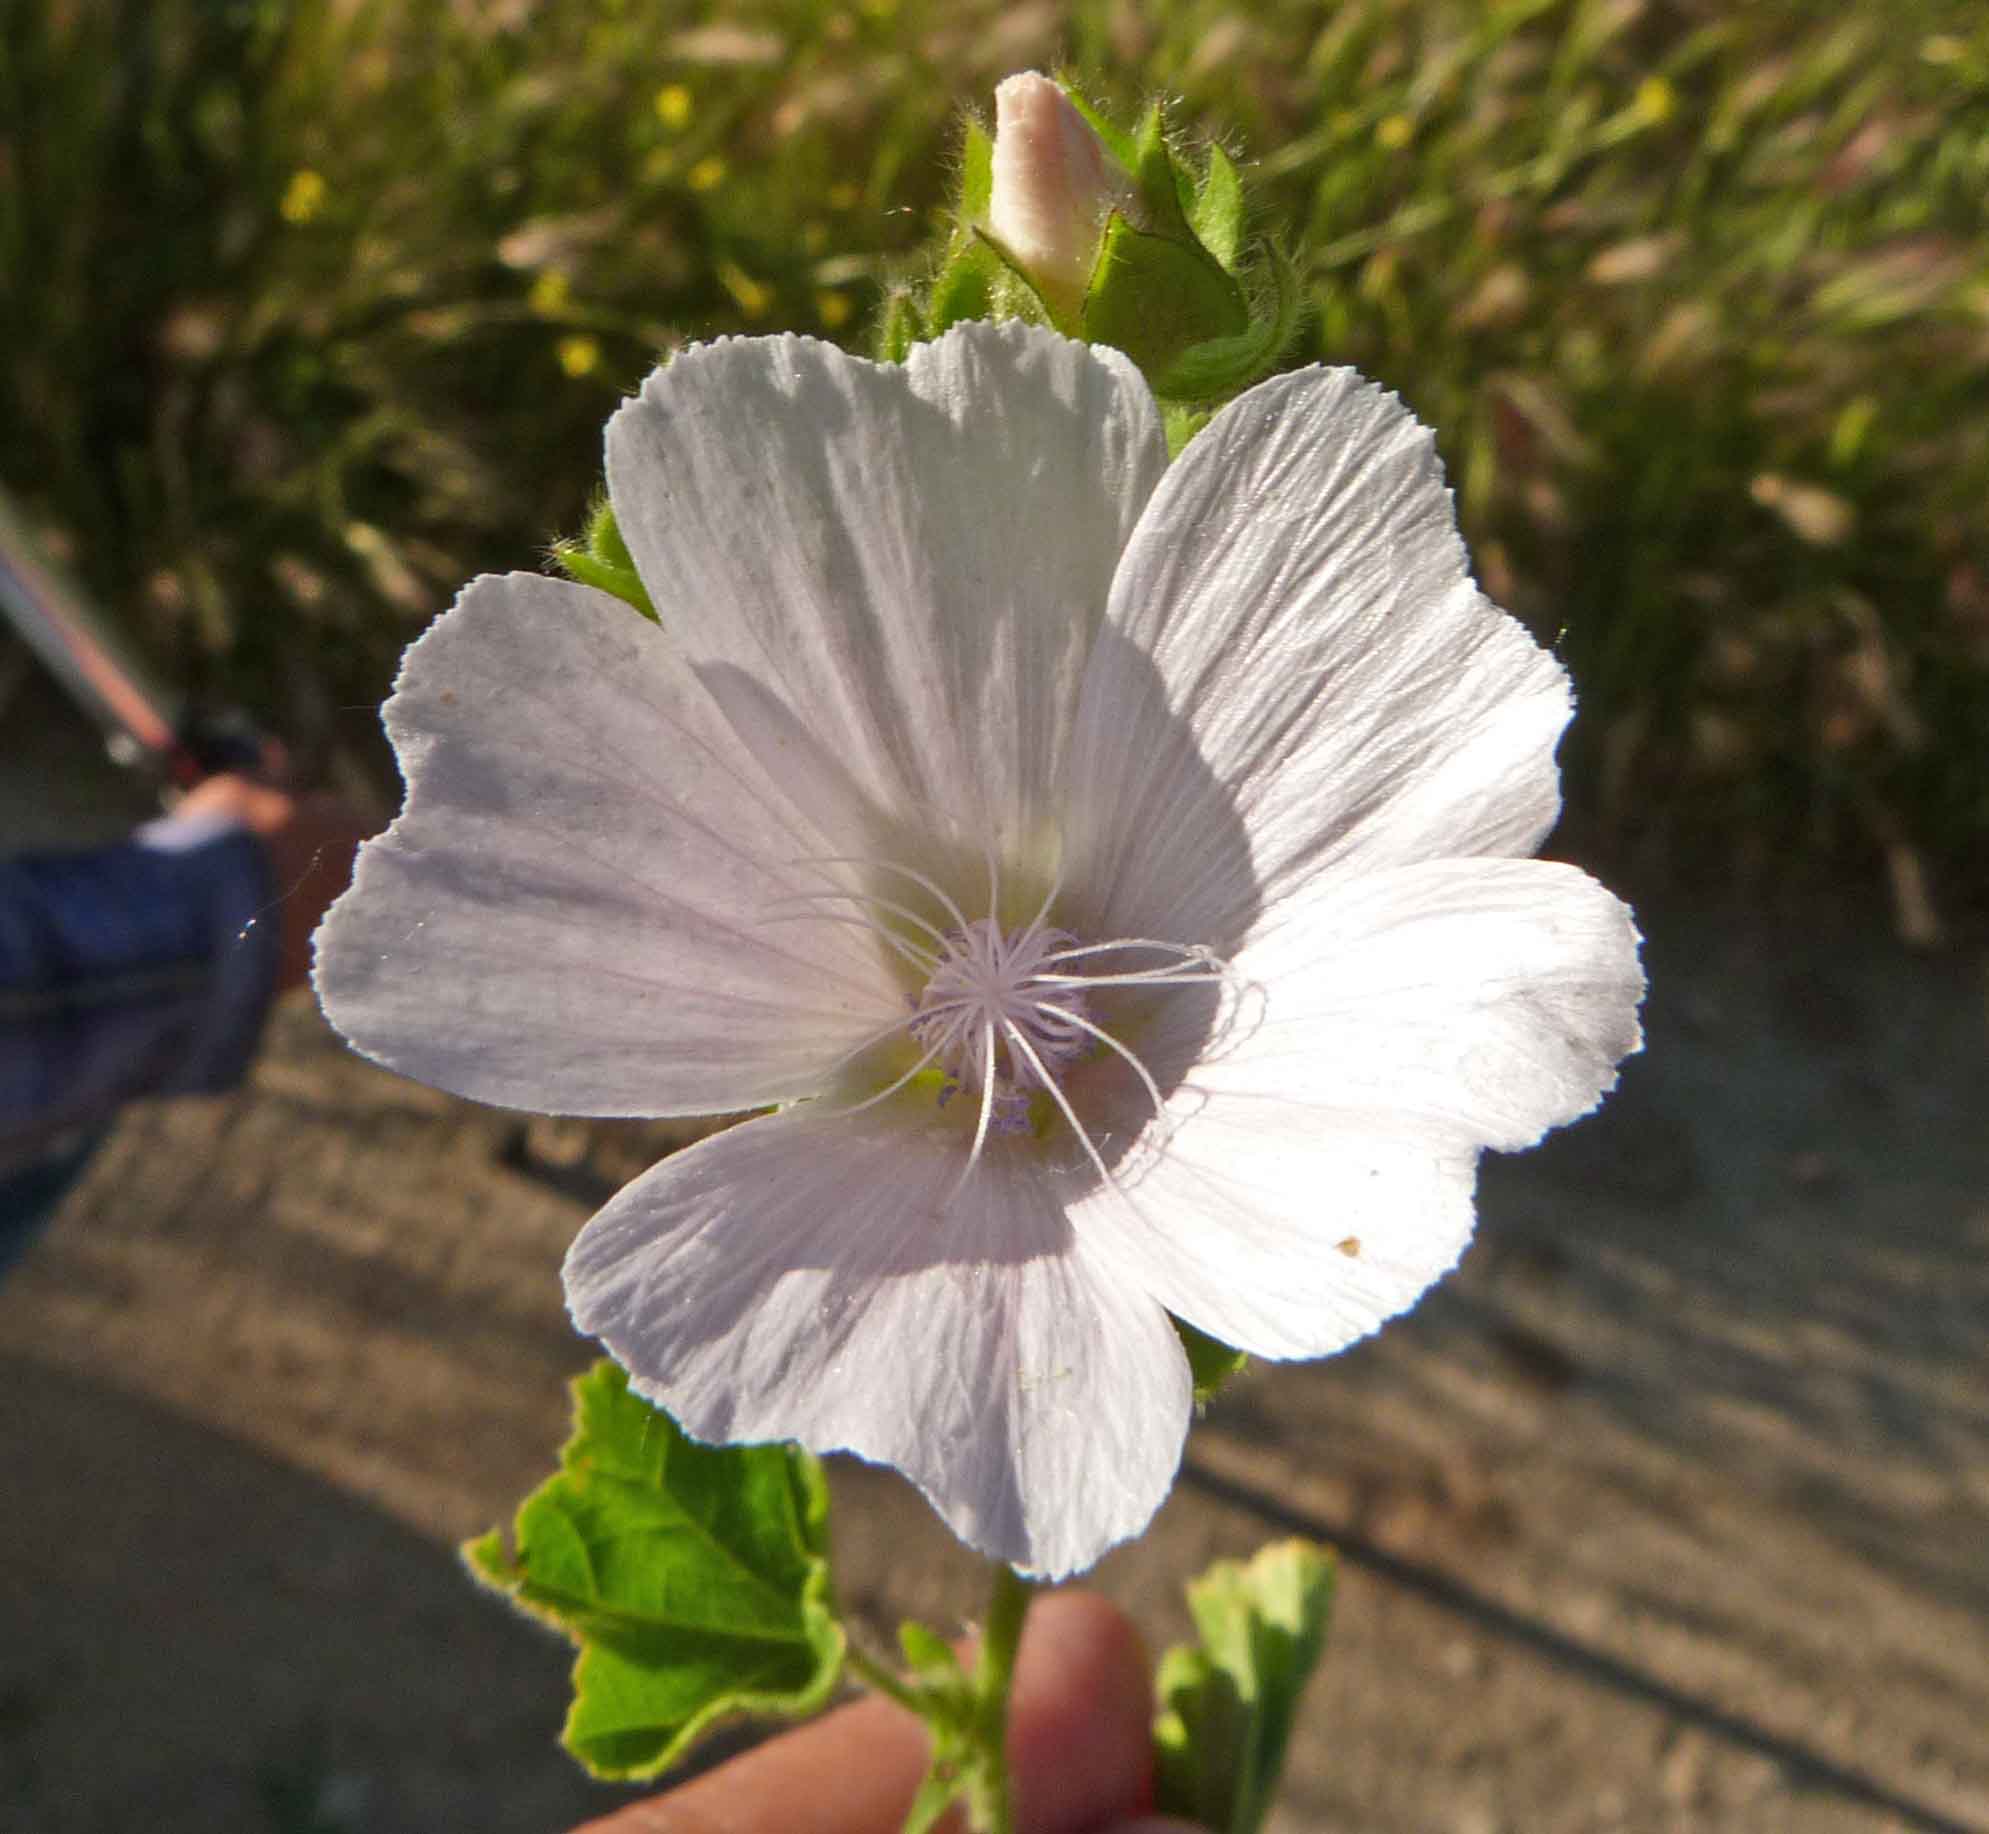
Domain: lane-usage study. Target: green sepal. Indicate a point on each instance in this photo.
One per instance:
(1227, 1704)
(1219, 214)
(693, 1578)
(899, 328)
(600, 558)
(1163, 187)
(1210, 1361)
(1221, 366)
(1123, 146)
(965, 286)
(1157, 299)
(976, 173)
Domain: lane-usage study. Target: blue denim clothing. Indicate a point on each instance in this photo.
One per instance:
(133, 970)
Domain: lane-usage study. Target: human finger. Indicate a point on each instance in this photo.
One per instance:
(1080, 1728)
(1079, 1746)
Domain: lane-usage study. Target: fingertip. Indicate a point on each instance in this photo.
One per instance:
(1081, 1719)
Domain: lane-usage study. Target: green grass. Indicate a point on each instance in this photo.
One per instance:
(309, 309)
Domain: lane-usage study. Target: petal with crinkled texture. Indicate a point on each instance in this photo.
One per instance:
(1239, 1225)
(578, 909)
(815, 1277)
(1318, 1176)
(1304, 655)
(890, 576)
(926, 623)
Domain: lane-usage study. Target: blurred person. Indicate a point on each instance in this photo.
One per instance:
(146, 968)
(1080, 1746)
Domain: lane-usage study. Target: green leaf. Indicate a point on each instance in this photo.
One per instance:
(601, 559)
(1210, 1361)
(1156, 299)
(1219, 212)
(1227, 1704)
(695, 1579)
(931, 1658)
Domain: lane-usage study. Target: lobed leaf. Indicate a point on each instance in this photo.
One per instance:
(695, 1579)
(1227, 1704)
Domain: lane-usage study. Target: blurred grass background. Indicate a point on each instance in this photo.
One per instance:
(310, 309)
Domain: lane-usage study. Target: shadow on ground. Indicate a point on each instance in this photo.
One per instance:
(1668, 1514)
(170, 1590)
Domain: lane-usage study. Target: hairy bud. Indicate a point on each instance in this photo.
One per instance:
(1054, 186)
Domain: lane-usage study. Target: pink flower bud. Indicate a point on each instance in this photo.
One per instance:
(1054, 186)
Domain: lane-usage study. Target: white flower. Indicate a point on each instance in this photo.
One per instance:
(1114, 871)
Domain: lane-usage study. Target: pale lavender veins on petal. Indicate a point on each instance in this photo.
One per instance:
(821, 1278)
(1304, 652)
(890, 577)
(1320, 1174)
(571, 913)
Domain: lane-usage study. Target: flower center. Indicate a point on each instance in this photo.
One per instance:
(999, 1019)
(1003, 1013)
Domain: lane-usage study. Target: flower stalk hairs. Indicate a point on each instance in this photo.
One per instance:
(1109, 879)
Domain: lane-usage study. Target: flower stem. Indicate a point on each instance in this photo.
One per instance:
(994, 1678)
(873, 1674)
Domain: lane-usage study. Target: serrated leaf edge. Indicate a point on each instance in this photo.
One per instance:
(492, 1563)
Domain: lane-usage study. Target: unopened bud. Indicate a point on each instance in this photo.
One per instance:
(1054, 186)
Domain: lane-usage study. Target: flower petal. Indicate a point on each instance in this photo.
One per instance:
(1490, 999)
(572, 913)
(1304, 654)
(1319, 1171)
(890, 576)
(1284, 1230)
(805, 1276)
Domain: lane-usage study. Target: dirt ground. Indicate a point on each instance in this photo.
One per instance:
(1668, 1513)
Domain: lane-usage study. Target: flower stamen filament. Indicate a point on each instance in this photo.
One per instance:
(1006, 1013)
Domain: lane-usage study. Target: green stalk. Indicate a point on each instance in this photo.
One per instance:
(995, 1678)
(875, 1675)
